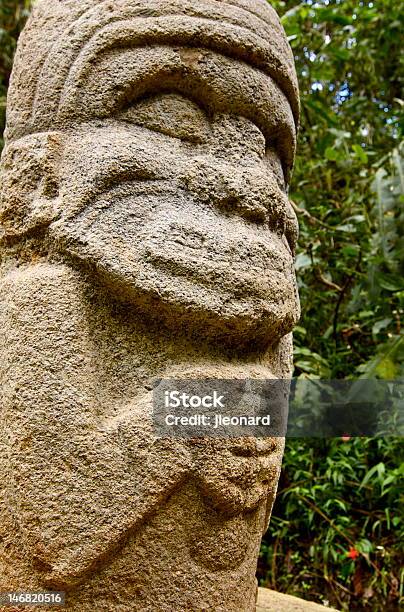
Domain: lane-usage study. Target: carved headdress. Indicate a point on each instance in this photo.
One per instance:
(73, 34)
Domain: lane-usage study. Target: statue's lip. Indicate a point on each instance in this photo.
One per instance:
(248, 276)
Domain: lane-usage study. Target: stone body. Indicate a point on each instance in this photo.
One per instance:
(271, 601)
(145, 232)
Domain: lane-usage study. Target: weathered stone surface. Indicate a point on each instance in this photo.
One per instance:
(271, 601)
(145, 232)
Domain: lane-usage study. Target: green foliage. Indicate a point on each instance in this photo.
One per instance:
(348, 192)
(337, 522)
(348, 184)
(336, 530)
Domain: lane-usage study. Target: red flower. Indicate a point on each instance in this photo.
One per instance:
(353, 553)
(345, 438)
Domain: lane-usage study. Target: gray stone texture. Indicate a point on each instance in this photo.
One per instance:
(271, 601)
(145, 232)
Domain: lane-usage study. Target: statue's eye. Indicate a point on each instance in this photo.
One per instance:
(169, 114)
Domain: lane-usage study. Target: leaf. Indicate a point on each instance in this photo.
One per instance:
(330, 15)
(386, 369)
(320, 111)
(379, 325)
(302, 261)
(351, 250)
(341, 54)
(291, 13)
(333, 155)
(390, 282)
(360, 153)
(347, 227)
(378, 470)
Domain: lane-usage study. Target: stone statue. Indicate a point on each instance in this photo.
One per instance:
(145, 232)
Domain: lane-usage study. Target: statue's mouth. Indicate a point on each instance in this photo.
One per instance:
(239, 259)
(249, 263)
(208, 265)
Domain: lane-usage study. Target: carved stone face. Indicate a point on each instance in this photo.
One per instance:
(173, 172)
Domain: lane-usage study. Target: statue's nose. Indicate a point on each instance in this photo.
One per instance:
(250, 192)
